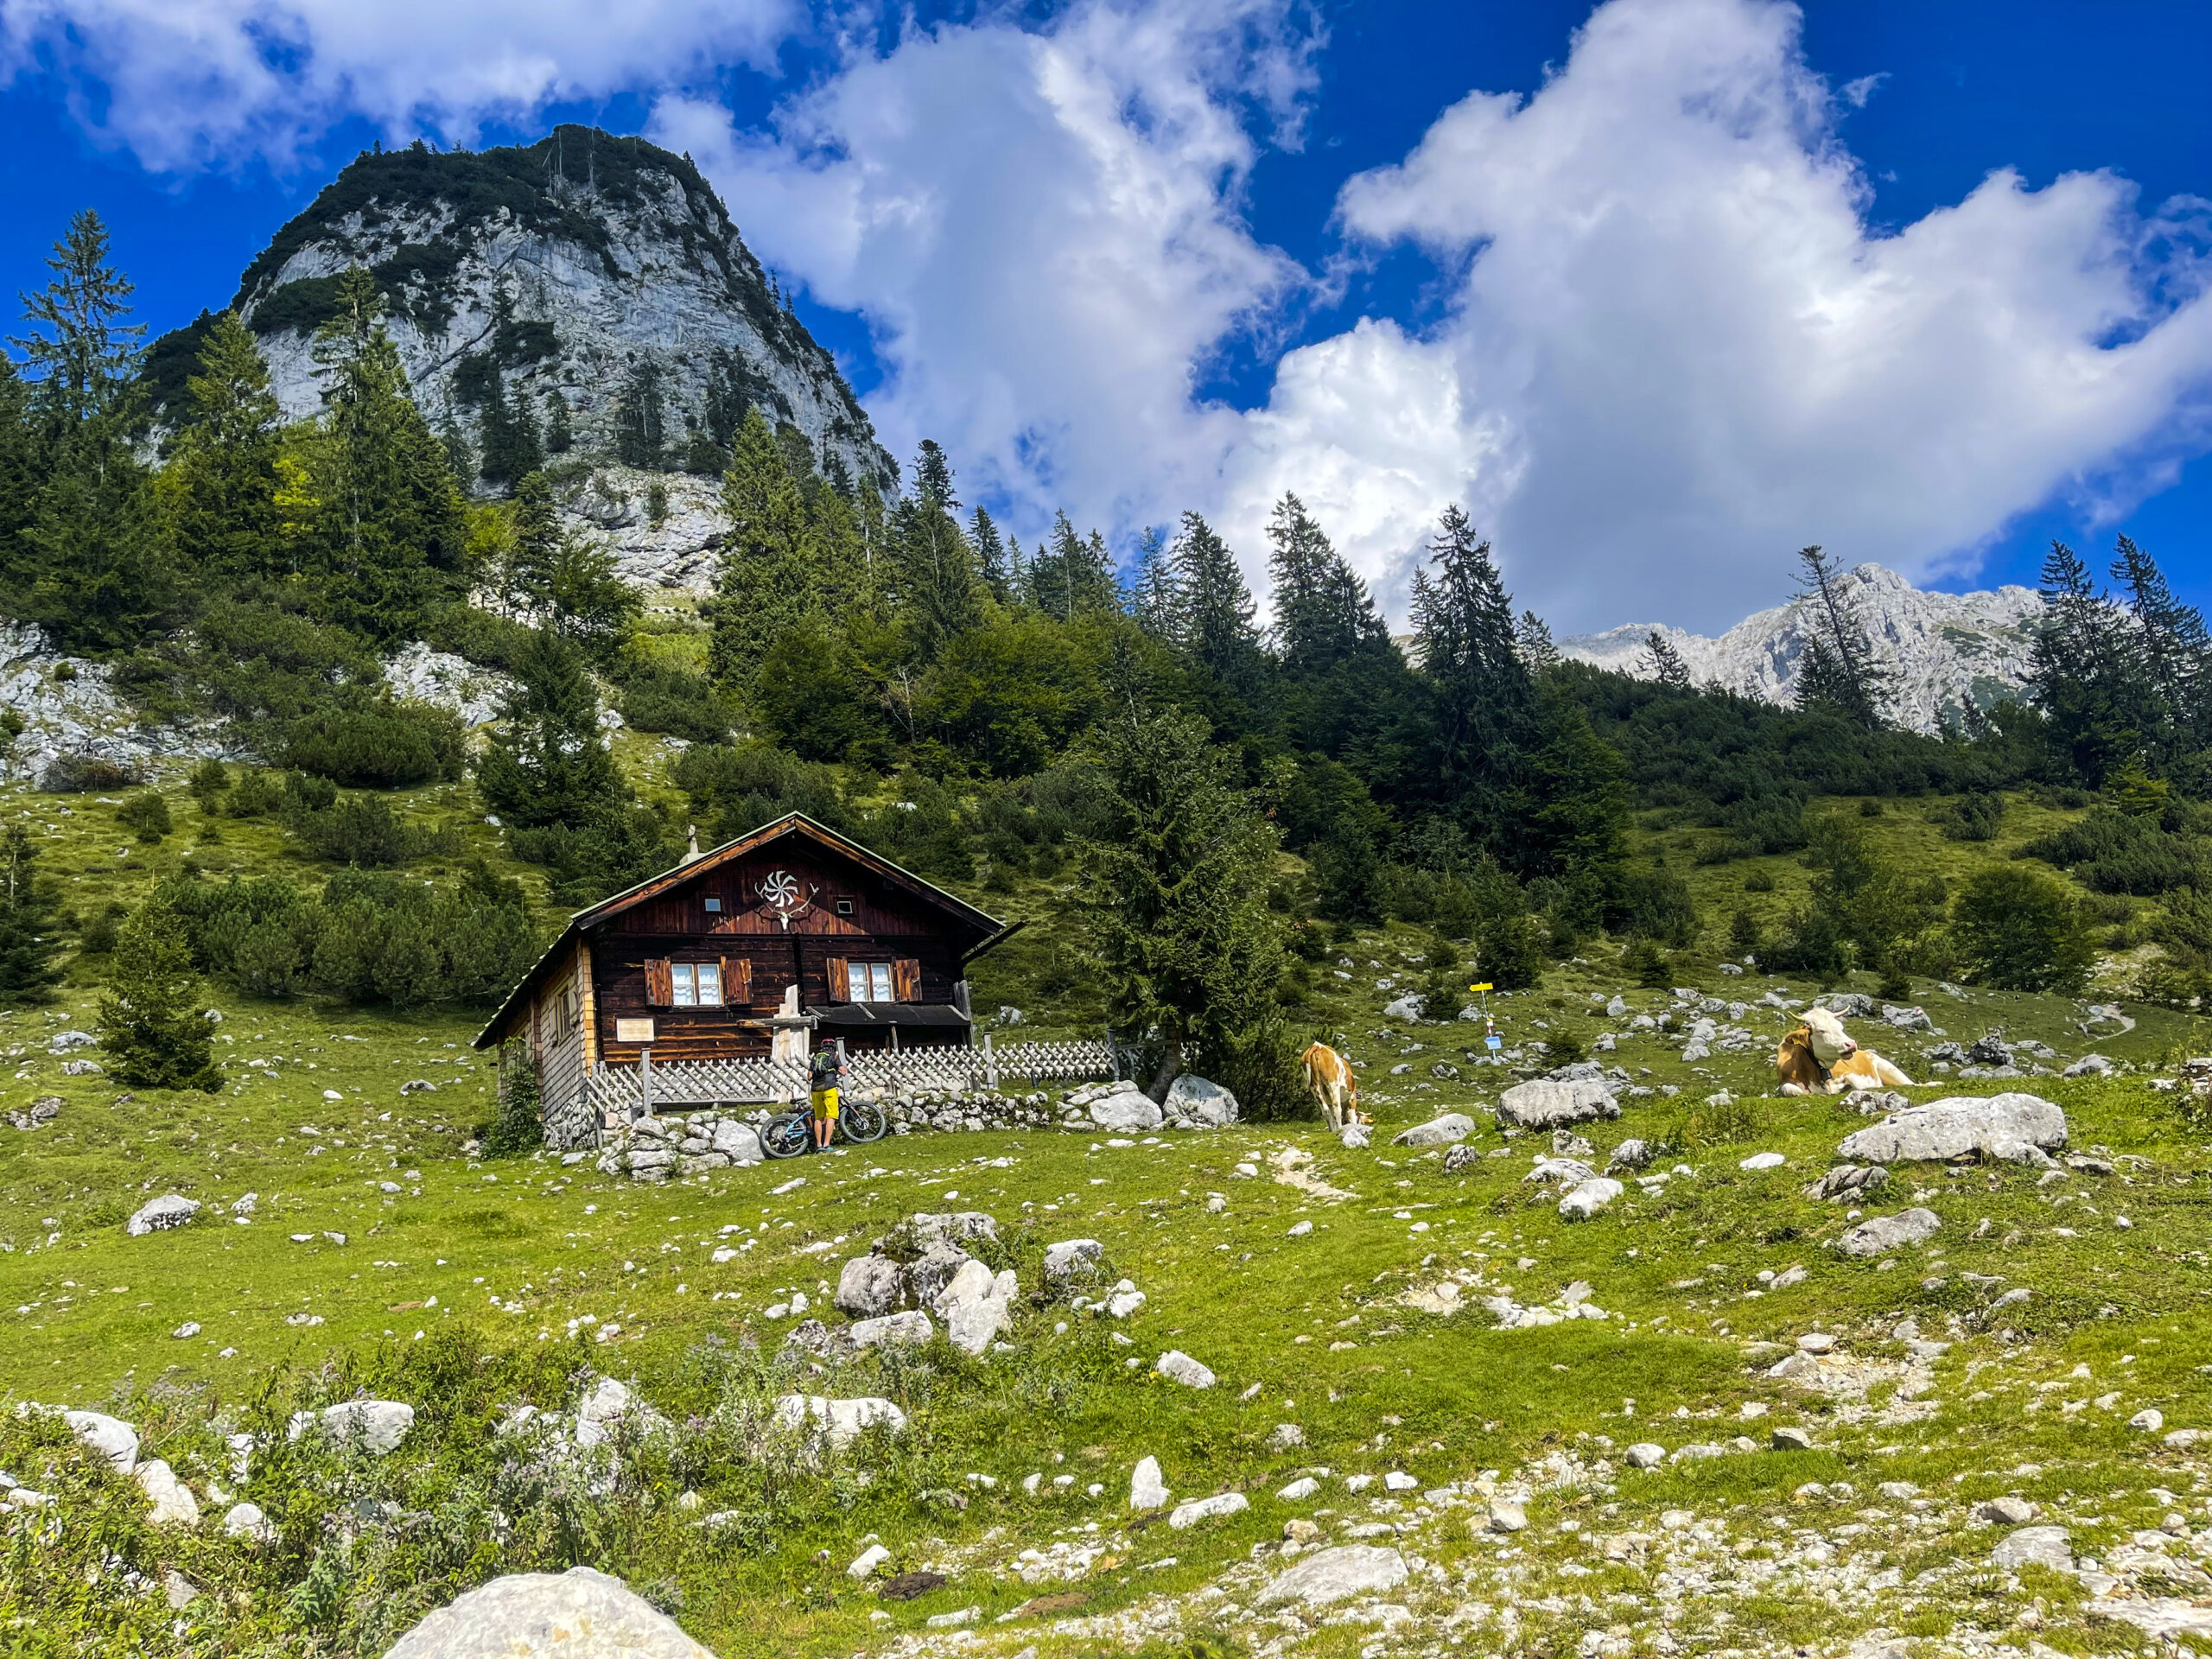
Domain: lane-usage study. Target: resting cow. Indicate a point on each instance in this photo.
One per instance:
(1328, 1074)
(1818, 1058)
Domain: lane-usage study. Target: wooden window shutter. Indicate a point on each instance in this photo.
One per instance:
(906, 980)
(840, 979)
(660, 983)
(737, 981)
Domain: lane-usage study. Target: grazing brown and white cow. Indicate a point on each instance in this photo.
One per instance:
(1819, 1058)
(1328, 1074)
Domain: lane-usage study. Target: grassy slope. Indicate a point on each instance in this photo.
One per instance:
(1316, 1322)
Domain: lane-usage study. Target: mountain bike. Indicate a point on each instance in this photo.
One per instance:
(792, 1133)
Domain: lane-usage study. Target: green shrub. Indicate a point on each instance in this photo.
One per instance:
(1759, 881)
(2020, 930)
(209, 782)
(1811, 942)
(1978, 816)
(152, 1024)
(1509, 951)
(146, 815)
(258, 795)
(2110, 851)
(516, 1128)
(1655, 904)
(361, 830)
(657, 697)
(382, 746)
(1648, 963)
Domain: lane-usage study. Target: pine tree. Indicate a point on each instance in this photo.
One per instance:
(936, 590)
(1534, 637)
(1838, 669)
(29, 934)
(533, 544)
(1324, 612)
(153, 1024)
(1156, 597)
(222, 485)
(2086, 672)
(639, 422)
(2172, 645)
(92, 565)
(392, 531)
(1663, 663)
(559, 438)
(1175, 891)
(545, 763)
(933, 478)
(990, 553)
(793, 550)
(513, 448)
(1463, 619)
(1218, 628)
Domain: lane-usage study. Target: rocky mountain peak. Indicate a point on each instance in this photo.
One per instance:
(1949, 650)
(597, 281)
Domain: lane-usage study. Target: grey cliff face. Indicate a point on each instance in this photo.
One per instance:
(1949, 650)
(582, 266)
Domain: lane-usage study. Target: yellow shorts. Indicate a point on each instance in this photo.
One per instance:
(825, 1104)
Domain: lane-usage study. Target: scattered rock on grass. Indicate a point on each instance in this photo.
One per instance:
(580, 1614)
(1447, 1130)
(1881, 1234)
(1207, 1508)
(170, 1209)
(2036, 1547)
(1331, 1575)
(839, 1422)
(1999, 1126)
(1147, 1490)
(1178, 1367)
(1543, 1104)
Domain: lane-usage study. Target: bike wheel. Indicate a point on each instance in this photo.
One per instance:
(862, 1123)
(787, 1136)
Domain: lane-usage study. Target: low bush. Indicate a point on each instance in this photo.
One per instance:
(2110, 851)
(2022, 931)
(146, 815)
(658, 697)
(381, 747)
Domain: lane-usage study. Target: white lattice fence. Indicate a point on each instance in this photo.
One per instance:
(1083, 1058)
(621, 1089)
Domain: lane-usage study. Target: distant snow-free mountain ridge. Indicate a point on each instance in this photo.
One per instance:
(1949, 650)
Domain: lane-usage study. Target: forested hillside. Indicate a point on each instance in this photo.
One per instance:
(1012, 720)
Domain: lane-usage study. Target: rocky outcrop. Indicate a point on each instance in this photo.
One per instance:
(601, 271)
(69, 707)
(2014, 1128)
(1949, 650)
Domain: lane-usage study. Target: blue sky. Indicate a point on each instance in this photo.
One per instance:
(1130, 258)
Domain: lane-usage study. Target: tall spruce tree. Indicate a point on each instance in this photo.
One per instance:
(544, 764)
(1838, 669)
(222, 485)
(153, 1023)
(793, 550)
(1464, 621)
(1219, 626)
(990, 554)
(2086, 672)
(30, 941)
(936, 589)
(1324, 612)
(1156, 597)
(1071, 575)
(1175, 889)
(91, 564)
(2172, 646)
(392, 530)
(1663, 663)
(1538, 649)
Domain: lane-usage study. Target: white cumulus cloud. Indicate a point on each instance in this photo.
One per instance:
(187, 84)
(1704, 357)
(1042, 228)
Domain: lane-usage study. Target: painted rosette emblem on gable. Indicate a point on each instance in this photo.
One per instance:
(786, 895)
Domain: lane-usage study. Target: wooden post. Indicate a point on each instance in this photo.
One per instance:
(646, 1082)
(990, 1065)
(587, 1007)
